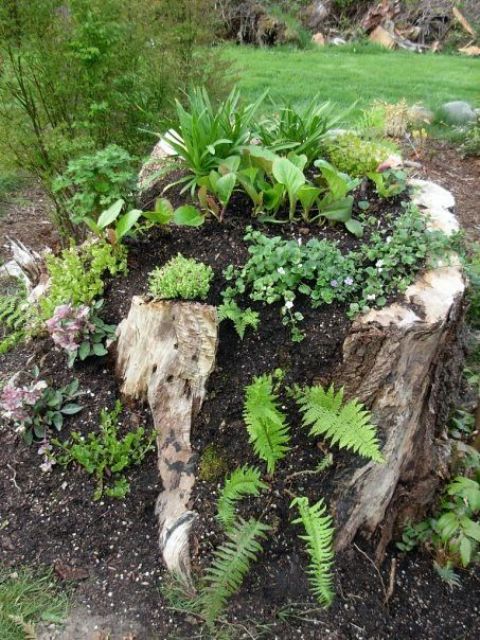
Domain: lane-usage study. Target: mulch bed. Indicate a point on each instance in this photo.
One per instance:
(109, 549)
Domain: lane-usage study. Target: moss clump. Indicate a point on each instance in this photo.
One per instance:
(181, 277)
(213, 464)
(355, 156)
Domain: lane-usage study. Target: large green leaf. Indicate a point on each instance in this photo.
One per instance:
(188, 216)
(126, 223)
(225, 186)
(288, 174)
(338, 211)
(111, 214)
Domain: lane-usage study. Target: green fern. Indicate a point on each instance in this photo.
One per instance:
(230, 565)
(241, 318)
(266, 424)
(347, 424)
(15, 314)
(319, 539)
(245, 481)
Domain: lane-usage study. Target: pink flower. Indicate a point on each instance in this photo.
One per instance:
(69, 326)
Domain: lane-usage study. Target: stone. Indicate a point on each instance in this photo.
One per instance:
(318, 39)
(457, 113)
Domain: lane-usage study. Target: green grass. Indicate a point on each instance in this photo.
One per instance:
(346, 74)
(26, 599)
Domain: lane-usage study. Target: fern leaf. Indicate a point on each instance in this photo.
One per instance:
(241, 318)
(319, 538)
(266, 424)
(230, 565)
(245, 481)
(347, 424)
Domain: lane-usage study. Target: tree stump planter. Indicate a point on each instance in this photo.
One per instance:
(404, 363)
(165, 353)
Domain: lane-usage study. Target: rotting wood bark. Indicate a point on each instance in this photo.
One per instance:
(165, 354)
(404, 362)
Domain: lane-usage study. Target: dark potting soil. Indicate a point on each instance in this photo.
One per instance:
(108, 549)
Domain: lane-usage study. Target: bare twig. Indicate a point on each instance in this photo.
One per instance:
(365, 555)
(391, 581)
(14, 477)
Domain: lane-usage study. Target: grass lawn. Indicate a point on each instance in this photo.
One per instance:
(345, 74)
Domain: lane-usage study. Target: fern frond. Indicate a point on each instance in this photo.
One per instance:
(230, 565)
(347, 424)
(241, 318)
(319, 538)
(245, 481)
(266, 424)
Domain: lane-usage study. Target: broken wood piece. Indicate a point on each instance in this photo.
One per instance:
(165, 354)
(382, 37)
(404, 363)
(463, 21)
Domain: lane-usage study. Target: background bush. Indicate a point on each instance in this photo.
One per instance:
(78, 75)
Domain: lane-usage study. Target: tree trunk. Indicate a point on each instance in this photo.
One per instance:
(404, 362)
(165, 353)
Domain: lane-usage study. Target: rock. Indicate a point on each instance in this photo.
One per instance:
(418, 115)
(337, 41)
(457, 113)
(318, 39)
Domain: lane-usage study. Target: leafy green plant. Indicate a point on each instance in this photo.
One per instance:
(470, 140)
(241, 318)
(347, 424)
(15, 315)
(299, 129)
(181, 277)
(216, 189)
(389, 184)
(93, 182)
(116, 224)
(36, 407)
(76, 274)
(447, 574)
(355, 156)
(319, 541)
(231, 563)
(337, 204)
(266, 424)
(458, 526)
(26, 599)
(244, 481)
(208, 135)
(105, 455)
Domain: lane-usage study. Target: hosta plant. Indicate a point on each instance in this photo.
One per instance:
(35, 407)
(80, 331)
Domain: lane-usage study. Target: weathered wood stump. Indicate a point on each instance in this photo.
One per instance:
(404, 362)
(165, 353)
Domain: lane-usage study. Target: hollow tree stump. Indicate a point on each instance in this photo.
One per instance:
(165, 353)
(404, 362)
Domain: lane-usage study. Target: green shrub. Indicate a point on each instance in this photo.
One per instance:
(93, 182)
(181, 277)
(355, 156)
(76, 274)
(78, 76)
